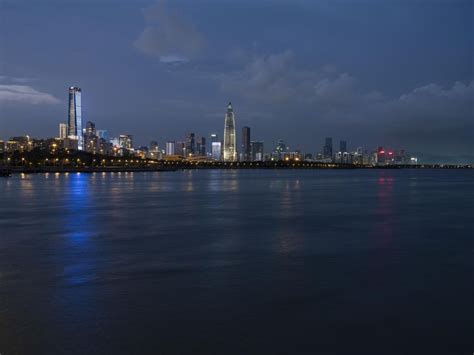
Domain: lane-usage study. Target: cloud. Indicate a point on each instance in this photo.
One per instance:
(169, 36)
(429, 117)
(24, 94)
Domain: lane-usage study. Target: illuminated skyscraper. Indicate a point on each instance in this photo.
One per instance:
(75, 117)
(230, 152)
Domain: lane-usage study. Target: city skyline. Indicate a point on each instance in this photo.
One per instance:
(321, 71)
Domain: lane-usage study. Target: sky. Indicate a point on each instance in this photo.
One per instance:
(391, 73)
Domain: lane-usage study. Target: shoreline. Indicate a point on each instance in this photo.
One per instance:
(174, 166)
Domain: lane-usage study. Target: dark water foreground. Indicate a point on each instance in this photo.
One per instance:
(238, 262)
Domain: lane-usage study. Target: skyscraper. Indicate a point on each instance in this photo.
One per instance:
(202, 147)
(216, 147)
(230, 152)
(327, 149)
(62, 130)
(245, 144)
(75, 116)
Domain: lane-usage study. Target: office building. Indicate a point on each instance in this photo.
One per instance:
(230, 151)
(256, 151)
(245, 154)
(75, 117)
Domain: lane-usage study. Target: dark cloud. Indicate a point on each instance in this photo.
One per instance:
(428, 117)
(169, 36)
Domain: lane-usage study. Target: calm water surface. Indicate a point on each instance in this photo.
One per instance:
(238, 262)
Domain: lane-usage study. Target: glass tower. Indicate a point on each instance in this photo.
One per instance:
(230, 152)
(75, 117)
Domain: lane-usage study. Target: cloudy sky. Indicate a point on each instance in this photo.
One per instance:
(395, 73)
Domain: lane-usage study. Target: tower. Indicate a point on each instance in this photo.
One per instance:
(230, 152)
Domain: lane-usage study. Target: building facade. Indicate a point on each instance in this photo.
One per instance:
(230, 151)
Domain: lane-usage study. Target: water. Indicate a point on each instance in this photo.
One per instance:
(238, 262)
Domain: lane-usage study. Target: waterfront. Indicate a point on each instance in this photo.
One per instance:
(237, 261)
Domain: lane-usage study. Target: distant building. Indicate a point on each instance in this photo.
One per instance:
(201, 147)
(62, 130)
(343, 146)
(153, 146)
(216, 151)
(180, 149)
(170, 148)
(190, 144)
(102, 133)
(280, 149)
(230, 149)
(90, 138)
(327, 149)
(245, 144)
(126, 141)
(75, 117)
(256, 151)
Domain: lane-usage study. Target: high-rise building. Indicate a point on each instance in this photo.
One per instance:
(75, 117)
(190, 144)
(216, 151)
(256, 151)
(327, 148)
(230, 152)
(343, 146)
(62, 130)
(170, 148)
(216, 147)
(201, 147)
(245, 144)
(90, 138)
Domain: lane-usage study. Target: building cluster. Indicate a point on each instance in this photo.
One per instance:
(74, 135)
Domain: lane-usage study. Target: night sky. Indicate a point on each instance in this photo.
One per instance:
(391, 73)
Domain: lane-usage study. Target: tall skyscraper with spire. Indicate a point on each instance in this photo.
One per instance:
(74, 123)
(230, 151)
